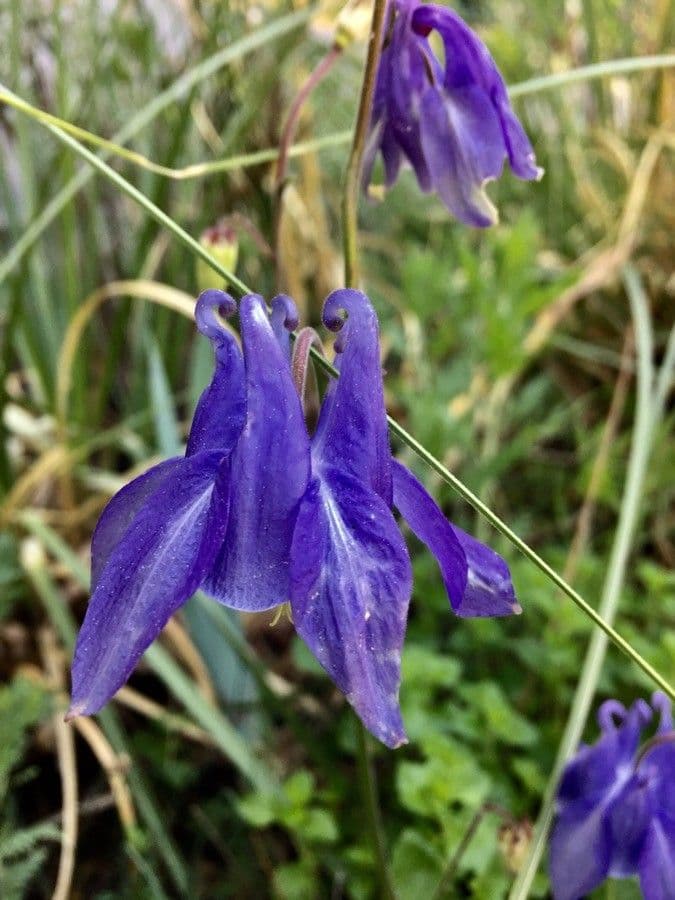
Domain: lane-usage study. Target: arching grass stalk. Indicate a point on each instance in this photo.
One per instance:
(398, 430)
(649, 411)
(288, 133)
(284, 152)
(179, 89)
(606, 69)
(211, 65)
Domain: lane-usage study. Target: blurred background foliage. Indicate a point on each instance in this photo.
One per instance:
(227, 767)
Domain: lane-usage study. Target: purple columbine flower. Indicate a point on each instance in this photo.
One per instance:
(453, 123)
(616, 806)
(255, 515)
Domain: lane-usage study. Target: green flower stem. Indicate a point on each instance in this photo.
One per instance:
(352, 186)
(369, 791)
(531, 554)
(138, 197)
(450, 871)
(649, 409)
(396, 429)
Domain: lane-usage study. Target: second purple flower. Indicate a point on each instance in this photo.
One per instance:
(452, 123)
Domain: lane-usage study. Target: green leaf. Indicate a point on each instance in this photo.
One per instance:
(317, 825)
(22, 842)
(22, 704)
(259, 810)
(11, 575)
(448, 776)
(15, 878)
(299, 788)
(530, 773)
(416, 866)
(423, 667)
(295, 881)
(501, 720)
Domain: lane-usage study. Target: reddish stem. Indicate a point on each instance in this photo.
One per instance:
(293, 118)
(288, 135)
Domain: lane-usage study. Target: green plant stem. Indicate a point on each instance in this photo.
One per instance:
(369, 792)
(127, 188)
(196, 170)
(531, 554)
(453, 864)
(272, 154)
(648, 413)
(352, 185)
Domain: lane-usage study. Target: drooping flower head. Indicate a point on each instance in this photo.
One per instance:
(256, 515)
(616, 806)
(453, 122)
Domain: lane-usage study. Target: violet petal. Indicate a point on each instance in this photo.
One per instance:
(656, 867)
(580, 851)
(121, 511)
(581, 847)
(270, 472)
(284, 319)
(450, 138)
(351, 434)
(469, 62)
(350, 587)
(158, 564)
(219, 416)
(476, 578)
